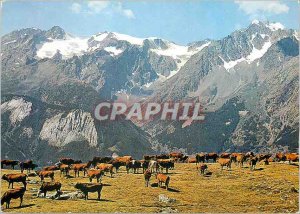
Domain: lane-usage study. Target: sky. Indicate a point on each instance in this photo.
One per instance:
(180, 21)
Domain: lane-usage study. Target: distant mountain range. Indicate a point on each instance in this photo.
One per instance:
(248, 83)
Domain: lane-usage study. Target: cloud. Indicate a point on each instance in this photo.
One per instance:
(97, 7)
(256, 9)
(75, 8)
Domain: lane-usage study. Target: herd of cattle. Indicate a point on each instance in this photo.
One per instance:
(99, 166)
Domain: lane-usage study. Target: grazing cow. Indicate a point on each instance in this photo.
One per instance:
(280, 157)
(93, 173)
(45, 174)
(13, 194)
(116, 164)
(88, 187)
(11, 163)
(97, 160)
(106, 167)
(135, 165)
(165, 163)
(200, 158)
(225, 162)
(64, 168)
(176, 155)
(252, 161)
(149, 157)
(202, 168)
(49, 186)
(263, 156)
(153, 166)
(50, 168)
(240, 158)
(225, 155)
(28, 165)
(292, 157)
(147, 176)
(211, 156)
(162, 178)
(77, 167)
(11, 178)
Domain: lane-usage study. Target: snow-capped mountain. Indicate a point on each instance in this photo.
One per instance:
(240, 79)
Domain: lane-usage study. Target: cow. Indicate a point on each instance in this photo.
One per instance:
(162, 178)
(200, 158)
(45, 174)
(135, 165)
(252, 161)
(88, 187)
(225, 155)
(13, 194)
(165, 163)
(153, 166)
(69, 161)
(28, 165)
(292, 157)
(116, 164)
(11, 178)
(233, 156)
(202, 168)
(50, 168)
(11, 163)
(224, 162)
(93, 173)
(176, 155)
(211, 156)
(240, 158)
(77, 167)
(106, 167)
(147, 176)
(123, 159)
(145, 165)
(64, 168)
(263, 156)
(97, 160)
(191, 160)
(280, 157)
(49, 186)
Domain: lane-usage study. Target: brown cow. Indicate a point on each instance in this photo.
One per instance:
(64, 168)
(213, 156)
(124, 159)
(97, 160)
(28, 165)
(200, 158)
(176, 155)
(93, 173)
(11, 163)
(191, 160)
(202, 168)
(162, 178)
(240, 158)
(292, 157)
(106, 167)
(77, 167)
(147, 176)
(280, 157)
(18, 177)
(49, 186)
(225, 162)
(46, 174)
(50, 168)
(88, 187)
(225, 155)
(13, 194)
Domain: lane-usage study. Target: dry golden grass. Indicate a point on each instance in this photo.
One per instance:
(238, 190)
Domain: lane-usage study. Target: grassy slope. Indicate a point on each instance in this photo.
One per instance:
(239, 190)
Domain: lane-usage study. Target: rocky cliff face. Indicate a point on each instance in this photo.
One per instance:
(51, 82)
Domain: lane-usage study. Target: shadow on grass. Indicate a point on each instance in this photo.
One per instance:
(107, 185)
(101, 199)
(169, 189)
(23, 206)
(173, 190)
(259, 169)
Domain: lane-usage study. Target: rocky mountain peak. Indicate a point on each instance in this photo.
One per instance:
(56, 32)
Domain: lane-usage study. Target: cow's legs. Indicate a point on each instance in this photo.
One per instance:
(99, 195)
(21, 200)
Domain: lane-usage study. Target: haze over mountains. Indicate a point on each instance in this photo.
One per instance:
(51, 81)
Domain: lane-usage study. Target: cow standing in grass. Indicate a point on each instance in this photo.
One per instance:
(13, 194)
(18, 177)
(49, 186)
(162, 178)
(224, 162)
(88, 187)
(147, 176)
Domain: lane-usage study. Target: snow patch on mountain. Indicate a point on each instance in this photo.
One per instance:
(113, 51)
(68, 47)
(275, 26)
(19, 109)
(130, 39)
(100, 37)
